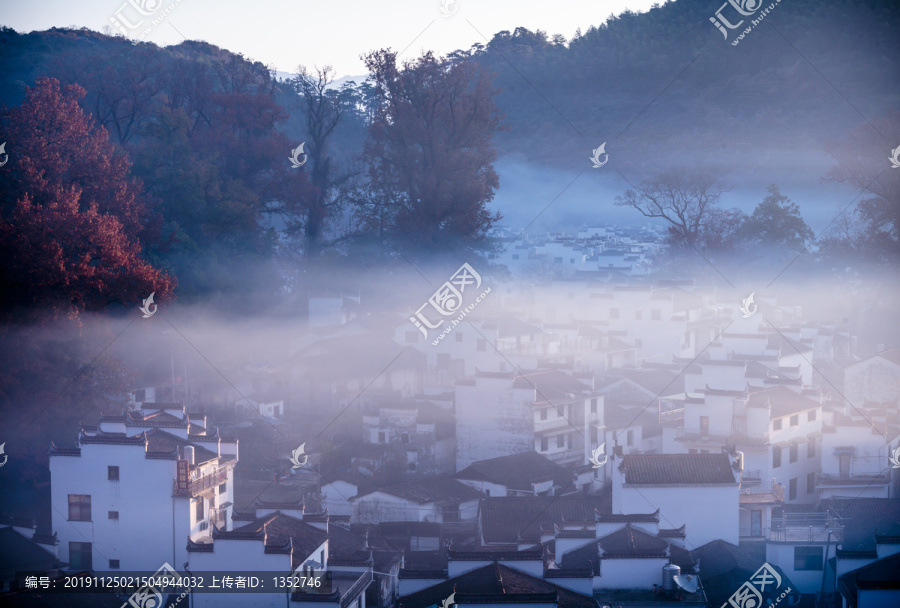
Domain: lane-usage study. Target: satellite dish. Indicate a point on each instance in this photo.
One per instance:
(688, 582)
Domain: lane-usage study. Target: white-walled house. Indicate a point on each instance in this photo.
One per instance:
(440, 499)
(854, 456)
(133, 490)
(276, 544)
(547, 411)
(697, 491)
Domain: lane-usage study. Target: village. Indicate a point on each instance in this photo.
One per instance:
(592, 439)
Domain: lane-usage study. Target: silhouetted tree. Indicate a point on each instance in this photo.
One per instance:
(776, 224)
(684, 200)
(430, 151)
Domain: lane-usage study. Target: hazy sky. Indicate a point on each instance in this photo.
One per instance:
(285, 33)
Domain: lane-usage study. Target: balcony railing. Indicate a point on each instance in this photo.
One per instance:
(565, 456)
(552, 422)
(750, 476)
(754, 533)
(769, 491)
(695, 434)
(216, 477)
(853, 479)
(806, 527)
(672, 416)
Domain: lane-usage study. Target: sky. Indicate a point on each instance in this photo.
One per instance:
(285, 33)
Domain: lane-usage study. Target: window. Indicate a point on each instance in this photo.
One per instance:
(113, 564)
(113, 515)
(811, 448)
(808, 558)
(411, 466)
(776, 457)
(559, 412)
(545, 444)
(629, 438)
(412, 337)
(704, 451)
(637, 315)
(515, 256)
(459, 337)
(692, 451)
(79, 507)
(481, 346)
(80, 556)
(593, 434)
(544, 414)
(776, 424)
(795, 419)
(594, 406)
(810, 483)
(380, 436)
(794, 451)
(112, 473)
(792, 489)
(811, 416)
(560, 441)
(140, 395)
(199, 509)
(613, 313)
(223, 488)
(656, 314)
(704, 426)
(404, 437)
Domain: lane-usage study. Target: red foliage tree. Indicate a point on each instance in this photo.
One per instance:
(71, 212)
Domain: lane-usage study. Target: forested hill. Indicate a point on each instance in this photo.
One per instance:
(663, 85)
(807, 72)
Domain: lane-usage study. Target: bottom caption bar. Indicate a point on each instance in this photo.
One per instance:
(167, 580)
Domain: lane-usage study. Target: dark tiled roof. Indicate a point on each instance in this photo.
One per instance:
(632, 542)
(863, 518)
(20, 554)
(661, 469)
(431, 489)
(495, 584)
(879, 575)
(512, 519)
(783, 401)
(161, 441)
(552, 385)
(280, 529)
(517, 471)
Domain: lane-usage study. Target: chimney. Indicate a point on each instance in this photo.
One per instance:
(189, 454)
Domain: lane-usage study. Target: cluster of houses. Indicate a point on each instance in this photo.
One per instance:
(584, 443)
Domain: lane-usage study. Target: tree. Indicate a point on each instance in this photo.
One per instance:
(71, 213)
(776, 223)
(323, 110)
(682, 199)
(430, 151)
(863, 164)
